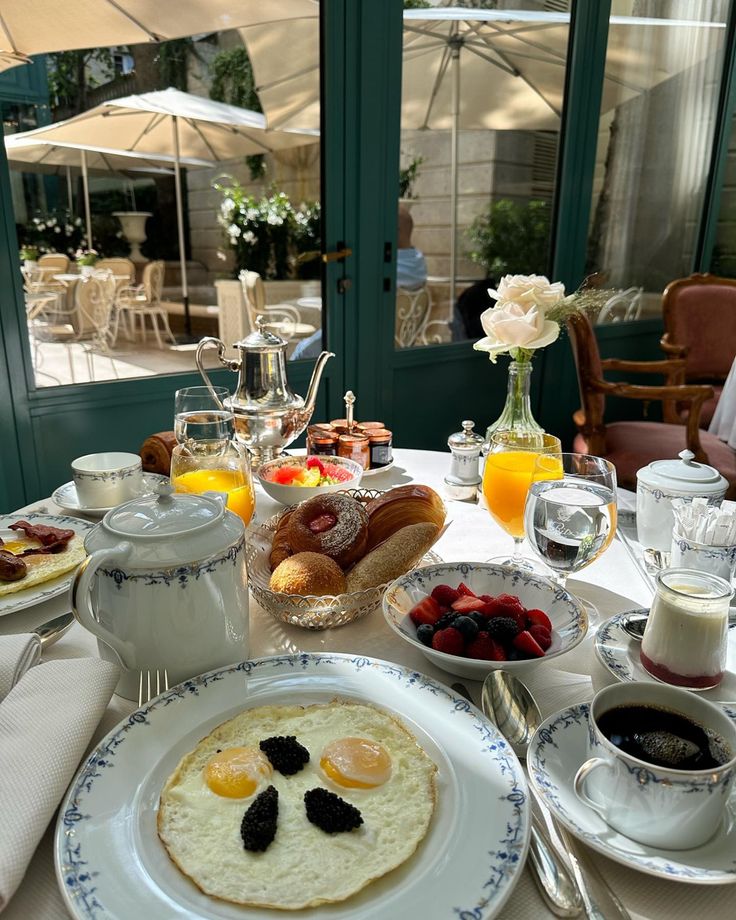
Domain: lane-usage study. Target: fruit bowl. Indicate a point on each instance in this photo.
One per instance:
(298, 490)
(567, 615)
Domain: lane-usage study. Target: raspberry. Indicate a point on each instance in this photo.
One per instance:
(313, 462)
(330, 813)
(258, 827)
(285, 753)
(502, 628)
(506, 606)
(445, 595)
(526, 643)
(543, 636)
(448, 640)
(539, 618)
(485, 648)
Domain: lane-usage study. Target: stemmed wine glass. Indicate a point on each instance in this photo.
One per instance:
(506, 479)
(570, 520)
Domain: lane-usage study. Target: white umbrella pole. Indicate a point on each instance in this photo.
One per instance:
(87, 212)
(180, 229)
(455, 51)
(69, 199)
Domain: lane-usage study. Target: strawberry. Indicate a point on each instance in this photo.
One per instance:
(313, 462)
(464, 589)
(498, 608)
(542, 635)
(448, 640)
(485, 648)
(487, 598)
(426, 611)
(526, 643)
(445, 595)
(539, 618)
(466, 604)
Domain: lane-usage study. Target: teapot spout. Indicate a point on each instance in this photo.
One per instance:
(316, 377)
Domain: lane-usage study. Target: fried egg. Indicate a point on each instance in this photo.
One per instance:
(43, 567)
(361, 753)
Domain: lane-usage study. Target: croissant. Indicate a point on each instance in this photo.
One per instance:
(405, 505)
(280, 548)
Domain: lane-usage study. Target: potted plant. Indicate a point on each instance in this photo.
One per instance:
(407, 177)
(29, 256)
(86, 259)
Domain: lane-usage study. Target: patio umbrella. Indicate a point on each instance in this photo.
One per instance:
(178, 125)
(512, 65)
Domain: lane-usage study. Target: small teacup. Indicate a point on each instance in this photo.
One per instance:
(107, 479)
(673, 809)
(716, 560)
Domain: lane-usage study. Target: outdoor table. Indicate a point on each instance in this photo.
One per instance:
(723, 423)
(613, 583)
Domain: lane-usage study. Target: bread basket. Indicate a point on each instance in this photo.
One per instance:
(309, 611)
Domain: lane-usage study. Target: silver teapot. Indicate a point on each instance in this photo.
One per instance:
(268, 415)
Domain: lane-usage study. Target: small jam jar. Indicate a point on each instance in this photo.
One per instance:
(370, 426)
(339, 423)
(356, 447)
(686, 636)
(381, 441)
(321, 440)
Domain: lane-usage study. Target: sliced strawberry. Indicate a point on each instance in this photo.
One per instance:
(313, 462)
(542, 635)
(445, 595)
(526, 643)
(426, 611)
(465, 604)
(285, 475)
(487, 598)
(448, 640)
(464, 589)
(485, 648)
(539, 618)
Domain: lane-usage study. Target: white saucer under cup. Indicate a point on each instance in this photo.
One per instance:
(107, 479)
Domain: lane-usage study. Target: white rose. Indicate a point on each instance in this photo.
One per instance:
(515, 325)
(528, 289)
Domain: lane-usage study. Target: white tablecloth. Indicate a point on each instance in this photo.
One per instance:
(612, 583)
(723, 423)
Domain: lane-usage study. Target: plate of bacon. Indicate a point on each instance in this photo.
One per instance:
(38, 556)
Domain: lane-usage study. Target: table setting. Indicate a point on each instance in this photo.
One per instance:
(468, 684)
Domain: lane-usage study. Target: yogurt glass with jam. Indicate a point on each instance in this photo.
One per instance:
(686, 637)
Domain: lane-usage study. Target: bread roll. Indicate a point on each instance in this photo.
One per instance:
(308, 573)
(394, 557)
(412, 504)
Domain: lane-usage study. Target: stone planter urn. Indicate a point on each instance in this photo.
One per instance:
(134, 230)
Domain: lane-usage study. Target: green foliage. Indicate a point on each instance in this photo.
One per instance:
(86, 257)
(408, 176)
(417, 4)
(233, 82)
(28, 253)
(266, 234)
(68, 77)
(172, 62)
(512, 238)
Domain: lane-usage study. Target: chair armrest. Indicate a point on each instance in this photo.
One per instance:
(672, 369)
(671, 348)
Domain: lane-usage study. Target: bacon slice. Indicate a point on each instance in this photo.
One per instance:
(52, 539)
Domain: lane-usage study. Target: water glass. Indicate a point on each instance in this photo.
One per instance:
(200, 414)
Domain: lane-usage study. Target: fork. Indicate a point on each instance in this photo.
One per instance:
(149, 685)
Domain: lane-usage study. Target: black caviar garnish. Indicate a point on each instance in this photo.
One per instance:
(330, 813)
(258, 827)
(285, 753)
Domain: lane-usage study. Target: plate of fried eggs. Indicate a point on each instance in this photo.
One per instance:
(325, 784)
(47, 575)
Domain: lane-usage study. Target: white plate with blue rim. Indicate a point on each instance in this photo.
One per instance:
(66, 496)
(37, 594)
(558, 748)
(618, 652)
(110, 862)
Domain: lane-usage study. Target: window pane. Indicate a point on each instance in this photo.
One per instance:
(723, 259)
(663, 69)
(509, 61)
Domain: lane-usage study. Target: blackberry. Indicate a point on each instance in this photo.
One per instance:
(258, 827)
(502, 628)
(285, 753)
(447, 619)
(425, 633)
(467, 627)
(329, 812)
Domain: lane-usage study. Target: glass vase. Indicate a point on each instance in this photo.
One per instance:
(517, 411)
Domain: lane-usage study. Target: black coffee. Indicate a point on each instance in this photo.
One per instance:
(663, 738)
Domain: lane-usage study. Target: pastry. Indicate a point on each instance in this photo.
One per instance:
(280, 548)
(308, 573)
(393, 558)
(412, 504)
(335, 525)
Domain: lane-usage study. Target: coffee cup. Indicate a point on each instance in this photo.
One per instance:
(634, 729)
(107, 479)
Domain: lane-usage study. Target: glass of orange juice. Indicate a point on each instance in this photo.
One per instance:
(508, 473)
(216, 465)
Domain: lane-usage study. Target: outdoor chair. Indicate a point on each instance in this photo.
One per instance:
(413, 309)
(283, 318)
(144, 301)
(699, 315)
(124, 271)
(632, 445)
(56, 262)
(623, 307)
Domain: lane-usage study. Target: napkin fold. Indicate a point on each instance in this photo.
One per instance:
(17, 654)
(46, 722)
(555, 689)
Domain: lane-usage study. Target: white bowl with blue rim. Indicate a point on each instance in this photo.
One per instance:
(567, 614)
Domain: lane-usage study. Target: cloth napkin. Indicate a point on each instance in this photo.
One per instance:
(46, 722)
(17, 654)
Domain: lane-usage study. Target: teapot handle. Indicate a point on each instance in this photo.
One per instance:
(226, 362)
(80, 599)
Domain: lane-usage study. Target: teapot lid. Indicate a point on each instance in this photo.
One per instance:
(164, 514)
(684, 473)
(262, 339)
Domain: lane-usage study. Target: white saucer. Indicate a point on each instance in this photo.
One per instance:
(556, 751)
(66, 496)
(619, 653)
(378, 470)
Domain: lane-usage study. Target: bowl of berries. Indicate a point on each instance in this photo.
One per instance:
(469, 618)
(290, 480)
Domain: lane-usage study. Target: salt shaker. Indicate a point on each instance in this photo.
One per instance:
(464, 477)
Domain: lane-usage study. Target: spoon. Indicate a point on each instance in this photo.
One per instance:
(53, 630)
(634, 622)
(507, 702)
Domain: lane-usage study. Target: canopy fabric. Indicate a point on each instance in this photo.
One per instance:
(39, 26)
(35, 155)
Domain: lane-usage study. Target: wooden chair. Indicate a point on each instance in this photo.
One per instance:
(56, 262)
(699, 315)
(631, 445)
(283, 318)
